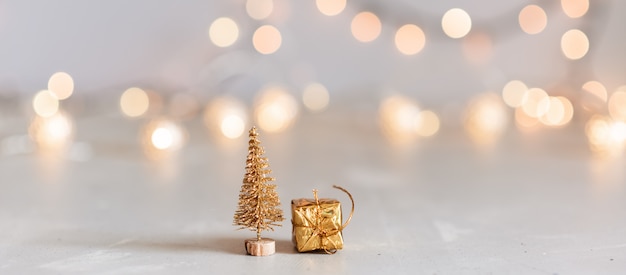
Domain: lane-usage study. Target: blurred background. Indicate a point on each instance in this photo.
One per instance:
(407, 68)
(474, 135)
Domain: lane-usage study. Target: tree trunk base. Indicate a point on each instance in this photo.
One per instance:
(263, 247)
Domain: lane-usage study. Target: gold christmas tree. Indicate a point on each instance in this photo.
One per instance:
(259, 205)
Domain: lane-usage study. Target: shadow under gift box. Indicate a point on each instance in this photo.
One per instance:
(317, 223)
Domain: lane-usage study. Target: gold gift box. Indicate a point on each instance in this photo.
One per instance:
(317, 223)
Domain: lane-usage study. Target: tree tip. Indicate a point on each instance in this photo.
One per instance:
(253, 131)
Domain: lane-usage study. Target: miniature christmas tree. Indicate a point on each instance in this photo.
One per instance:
(259, 205)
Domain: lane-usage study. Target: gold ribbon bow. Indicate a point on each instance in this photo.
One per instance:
(322, 232)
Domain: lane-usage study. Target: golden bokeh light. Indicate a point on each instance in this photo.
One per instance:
(267, 39)
(61, 85)
(523, 121)
(410, 39)
(606, 136)
(45, 103)
(315, 97)
(574, 44)
(428, 124)
(330, 7)
(134, 102)
(223, 32)
(596, 89)
(513, 93)
(617, 105)
(399, 117)
(456, 23)
(532, 19)
(534, 103)
(366, 27)
(560, 111)
(227, 116)
(486, 118)
(162, 135)
(259, 9)
(52, 133)
(477, 47)
(275, 109)
(575, 8)
(232, 126)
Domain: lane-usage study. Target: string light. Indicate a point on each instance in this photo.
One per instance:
(267, 39)
(402, 120)
(223, 32)
(161, 136)
(366, 27)
(606, 136)
(617, 104)
(575, 8)
(315, 97)
(428, 124)
(61, 85)
(456, 23)
(53, 132)
(410, 39)
(574, 44)
(513, 93)
(485, 118)
(134, 102)
(275, 109)
(227, 116)
(477, 47)
(45, 103)
(532, 19)
(330, 7)
(259, 9)
(534, 104)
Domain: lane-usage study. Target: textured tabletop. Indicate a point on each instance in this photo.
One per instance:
(527, 204)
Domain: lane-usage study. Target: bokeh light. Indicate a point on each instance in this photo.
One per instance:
(486, 118)
(54, 132)
(267, 39)
(428, 123)
(575, 8)
(366, 26)
(275, 109)
(259, 9)
(605, 135)
(162, 135)
(226, 116)
(477, 47)
(330, 7)
(532, 19)
(596, 89)
(617, 104)
(315, 97)
(134, 102)
(534, 103)
(560, 111)
(456, 23)
(61, 85)
(574, 44)
(410, 39)
(399, 118)
(223, 32)
(525, 122)
(513, 93)
(45, 103)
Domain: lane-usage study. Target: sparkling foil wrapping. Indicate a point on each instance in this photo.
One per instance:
(317, 225)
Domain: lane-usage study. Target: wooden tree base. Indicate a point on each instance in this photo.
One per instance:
(263, 247)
